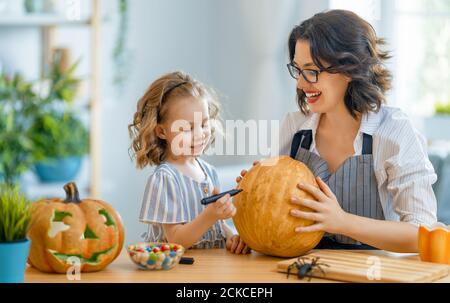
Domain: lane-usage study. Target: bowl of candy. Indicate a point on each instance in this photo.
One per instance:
(155, 256)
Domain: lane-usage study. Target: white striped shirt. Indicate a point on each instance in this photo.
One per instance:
(403, 171)
(173, 198)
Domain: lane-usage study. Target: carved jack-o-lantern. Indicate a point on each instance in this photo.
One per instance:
(61, 231)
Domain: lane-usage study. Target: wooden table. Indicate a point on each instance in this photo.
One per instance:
(212, 265)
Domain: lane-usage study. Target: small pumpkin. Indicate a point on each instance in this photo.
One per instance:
(434, 243)
(90, 230)
(263, 217)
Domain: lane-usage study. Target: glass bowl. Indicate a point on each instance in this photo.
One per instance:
(155, 255)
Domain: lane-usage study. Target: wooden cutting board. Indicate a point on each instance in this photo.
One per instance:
(360, 267)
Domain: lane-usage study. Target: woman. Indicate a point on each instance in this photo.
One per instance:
(371, 165)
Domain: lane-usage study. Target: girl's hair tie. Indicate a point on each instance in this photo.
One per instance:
(167, 92)
(163, 96)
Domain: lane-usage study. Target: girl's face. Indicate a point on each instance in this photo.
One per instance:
(186, 126)
(327, 94)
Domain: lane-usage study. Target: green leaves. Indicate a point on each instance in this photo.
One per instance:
(58, 135)
(15, 214)
(443, 109)
(63, 83)
(121, 54)
(34, 127)
(18, 103)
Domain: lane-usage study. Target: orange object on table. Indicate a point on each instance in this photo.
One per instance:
(434, 243)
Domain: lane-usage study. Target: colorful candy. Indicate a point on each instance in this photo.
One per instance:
(165, 247)
(155, 255)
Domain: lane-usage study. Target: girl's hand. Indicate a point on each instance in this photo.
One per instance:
(244, 171)
(328, 215)
(222, 209)
(236, 246)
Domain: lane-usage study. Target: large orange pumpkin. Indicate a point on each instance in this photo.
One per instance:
(90, 230)
(263, 217)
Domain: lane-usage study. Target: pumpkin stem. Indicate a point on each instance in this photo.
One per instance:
(72, 195)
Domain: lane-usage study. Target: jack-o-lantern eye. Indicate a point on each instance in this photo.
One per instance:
(90, 234)
(57, 224)
(60, 215)
(109, 220)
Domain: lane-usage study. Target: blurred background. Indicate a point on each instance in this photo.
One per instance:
(71, 72)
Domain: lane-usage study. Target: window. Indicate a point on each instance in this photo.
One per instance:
(422, 55)
(367, 9)
(418, 34)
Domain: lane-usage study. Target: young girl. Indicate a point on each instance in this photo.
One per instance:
(372, 167)
(172, 127)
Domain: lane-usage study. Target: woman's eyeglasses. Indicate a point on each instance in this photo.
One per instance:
(310, 75)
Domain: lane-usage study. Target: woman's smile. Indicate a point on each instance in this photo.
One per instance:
(312, 96)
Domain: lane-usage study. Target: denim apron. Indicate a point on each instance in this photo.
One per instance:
(353, 183)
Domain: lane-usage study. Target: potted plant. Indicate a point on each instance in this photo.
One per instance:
(60, 142)
(18, 105)
(59, 137)
(24, 105)
(15, 216)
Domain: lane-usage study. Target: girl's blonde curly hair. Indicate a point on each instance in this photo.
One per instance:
(147, 147)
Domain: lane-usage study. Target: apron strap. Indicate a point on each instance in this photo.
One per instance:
(303, 138)
(367, 144)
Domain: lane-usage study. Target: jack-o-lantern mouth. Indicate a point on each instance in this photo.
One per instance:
(93, 260)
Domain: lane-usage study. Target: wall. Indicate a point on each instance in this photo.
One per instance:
(237, 47)
(215, 41)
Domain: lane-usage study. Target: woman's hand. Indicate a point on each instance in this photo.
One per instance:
(222, 209)
(236, 246)
(328, 214)
(244, 171)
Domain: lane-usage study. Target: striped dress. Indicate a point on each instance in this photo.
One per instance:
(173, 198)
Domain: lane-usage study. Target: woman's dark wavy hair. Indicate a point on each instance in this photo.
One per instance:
(350, 45)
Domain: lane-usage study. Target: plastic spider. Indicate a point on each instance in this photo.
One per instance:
(305, 269)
